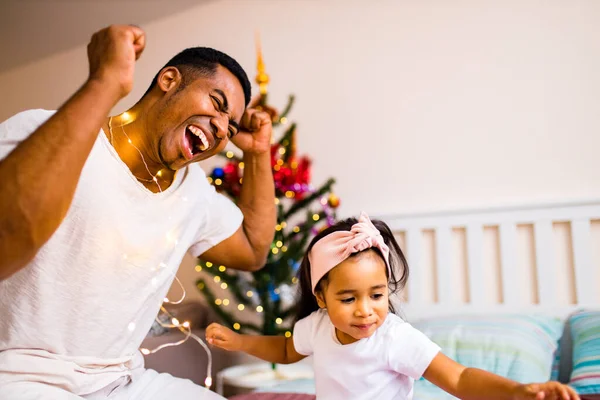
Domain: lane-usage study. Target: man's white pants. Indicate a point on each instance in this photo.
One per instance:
(150, 385)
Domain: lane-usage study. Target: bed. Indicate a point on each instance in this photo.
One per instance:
(514, 290)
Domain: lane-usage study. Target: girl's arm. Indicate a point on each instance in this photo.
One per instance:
(472, 383)
(274, 349)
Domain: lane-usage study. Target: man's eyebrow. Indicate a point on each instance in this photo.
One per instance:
(225, 101)
(226, 109)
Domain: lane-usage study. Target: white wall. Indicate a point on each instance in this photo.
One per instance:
(421, 105)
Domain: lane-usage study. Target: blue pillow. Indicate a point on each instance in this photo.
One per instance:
(519, 347)
(585, 331)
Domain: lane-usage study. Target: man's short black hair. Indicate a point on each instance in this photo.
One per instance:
(197, 61)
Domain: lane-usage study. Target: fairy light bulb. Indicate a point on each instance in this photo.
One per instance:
(145, 351)
(175, 321)
(186, 324)
(208, 382)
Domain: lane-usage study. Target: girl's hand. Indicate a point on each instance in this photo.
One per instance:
(546, 391)
(224, 338)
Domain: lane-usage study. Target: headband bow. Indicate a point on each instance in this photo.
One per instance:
(338, 246)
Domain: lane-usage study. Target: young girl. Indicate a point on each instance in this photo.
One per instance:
(361, 349)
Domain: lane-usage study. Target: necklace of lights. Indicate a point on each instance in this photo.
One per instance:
(125, 117)
(184, 327)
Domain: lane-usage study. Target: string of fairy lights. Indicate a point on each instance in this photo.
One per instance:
(185, 326)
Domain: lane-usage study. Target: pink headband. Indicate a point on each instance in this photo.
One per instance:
(338, 246)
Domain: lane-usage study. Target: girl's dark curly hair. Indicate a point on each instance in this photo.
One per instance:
(307, 302)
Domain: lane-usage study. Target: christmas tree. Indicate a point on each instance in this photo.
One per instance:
(302, 210)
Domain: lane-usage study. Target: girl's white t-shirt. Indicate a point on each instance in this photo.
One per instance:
(382, 366)
(75, 316)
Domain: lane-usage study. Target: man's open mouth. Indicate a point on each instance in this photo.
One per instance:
(197, 141)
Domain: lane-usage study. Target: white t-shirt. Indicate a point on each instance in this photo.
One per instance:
(77, 313)
(382, 366)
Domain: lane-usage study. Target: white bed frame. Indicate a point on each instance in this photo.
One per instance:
(507, 224)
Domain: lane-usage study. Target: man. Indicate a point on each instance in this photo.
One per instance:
(96, 214)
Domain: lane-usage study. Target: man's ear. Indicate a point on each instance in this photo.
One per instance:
(320, 299)
(168, 78)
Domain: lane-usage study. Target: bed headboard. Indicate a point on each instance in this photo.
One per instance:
(522, 259)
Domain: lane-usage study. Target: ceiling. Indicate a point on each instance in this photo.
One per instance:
(33, 29)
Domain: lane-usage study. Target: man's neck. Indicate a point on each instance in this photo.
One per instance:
(127, 136)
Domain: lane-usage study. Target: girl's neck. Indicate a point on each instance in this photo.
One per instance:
(344, 338)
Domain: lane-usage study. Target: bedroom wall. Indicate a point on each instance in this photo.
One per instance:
(421, 105)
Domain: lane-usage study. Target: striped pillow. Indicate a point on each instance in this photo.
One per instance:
(585, 329)
(518, 347)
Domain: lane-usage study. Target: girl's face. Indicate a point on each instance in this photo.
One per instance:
(356, 296)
